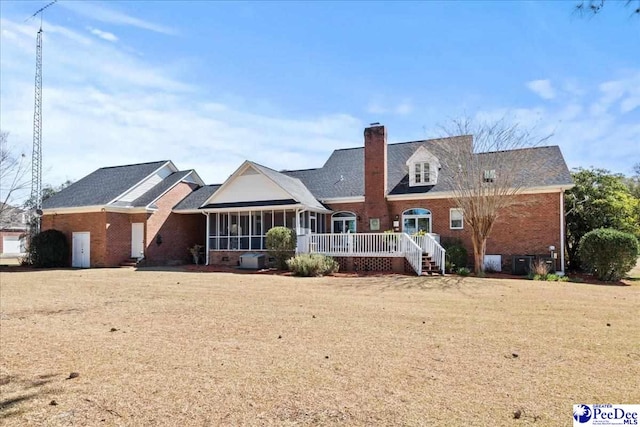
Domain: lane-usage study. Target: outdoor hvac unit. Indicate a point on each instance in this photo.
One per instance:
(252, 261)
(522, 264)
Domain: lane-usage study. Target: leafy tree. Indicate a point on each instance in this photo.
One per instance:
(599, 199)
(484, 198)
(610, 254)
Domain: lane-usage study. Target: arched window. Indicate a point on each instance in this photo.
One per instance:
(416, 219)
(343, 222)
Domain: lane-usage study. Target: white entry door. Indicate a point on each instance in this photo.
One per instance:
(80, 250)
(137, 240)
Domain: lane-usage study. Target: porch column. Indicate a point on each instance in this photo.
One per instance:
(206, 241)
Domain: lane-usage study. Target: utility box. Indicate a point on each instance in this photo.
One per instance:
(522, 264)
(252, 261)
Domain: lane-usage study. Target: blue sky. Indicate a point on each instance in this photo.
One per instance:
(210, 84)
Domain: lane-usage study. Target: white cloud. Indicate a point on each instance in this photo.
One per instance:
(105, 35)
(97, 11)
(542, 88)
(401, 108)
(596, 126)
(103, 106)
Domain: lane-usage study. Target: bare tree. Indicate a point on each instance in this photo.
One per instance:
(13, 174)
(487, 176)
(593, 7)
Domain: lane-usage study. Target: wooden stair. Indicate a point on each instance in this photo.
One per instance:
(429, 266)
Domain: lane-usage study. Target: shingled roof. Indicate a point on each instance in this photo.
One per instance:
(102, 186)
(160, 188)
(343, 173)
(196, 198)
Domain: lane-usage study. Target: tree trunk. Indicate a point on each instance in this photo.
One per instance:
(479, 249)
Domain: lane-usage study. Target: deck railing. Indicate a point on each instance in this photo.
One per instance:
(431, 246)
(364, 245)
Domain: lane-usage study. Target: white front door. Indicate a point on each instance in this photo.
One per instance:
(137, 240)
(80, 250)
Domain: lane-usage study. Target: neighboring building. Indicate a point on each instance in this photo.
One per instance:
(13, 226)
(341, 209)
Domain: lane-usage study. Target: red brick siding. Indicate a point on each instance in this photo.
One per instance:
(529, 228)
(118, 226)
(178, 232)
(375, 178)
(93, 222)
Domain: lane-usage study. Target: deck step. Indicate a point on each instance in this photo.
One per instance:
(131, 262)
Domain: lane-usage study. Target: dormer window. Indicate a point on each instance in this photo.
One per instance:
(422, 173)
(489, 175)
(423, 168)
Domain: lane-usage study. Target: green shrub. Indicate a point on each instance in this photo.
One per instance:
(456, 255)
(608, 253)
(48, 249)
(308, 265)
(463, 271)
(281, 245)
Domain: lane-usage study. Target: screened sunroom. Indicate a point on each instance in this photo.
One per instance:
(247, 229)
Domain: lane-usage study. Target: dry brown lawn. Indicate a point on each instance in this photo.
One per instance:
(200, 349)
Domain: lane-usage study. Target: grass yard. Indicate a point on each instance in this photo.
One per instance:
(199, 349)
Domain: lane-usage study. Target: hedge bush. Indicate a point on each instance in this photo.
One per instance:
(48, 249)
(456, 255)
(308, 265)
(281, 245)
(608, 253)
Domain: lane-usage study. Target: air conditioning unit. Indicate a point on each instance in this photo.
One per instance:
(252, 261)
(522, 264)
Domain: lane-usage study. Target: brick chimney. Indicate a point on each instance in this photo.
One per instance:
(375, 177)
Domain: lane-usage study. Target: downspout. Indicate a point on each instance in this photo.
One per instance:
(206, 240)
(561, 233)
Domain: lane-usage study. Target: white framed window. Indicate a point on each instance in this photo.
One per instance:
(343, 222)
(456, 219)
(489, 175)
(415, 220)
(422, 173)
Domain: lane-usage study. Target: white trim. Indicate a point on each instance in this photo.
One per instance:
(353, 217)
(253, 208)
(354, 199)
(175, 169)
(187, 211)
(169, 189)
(561, 273)
(96, 208)
(451, 194)
(207, 238)
(462, 219)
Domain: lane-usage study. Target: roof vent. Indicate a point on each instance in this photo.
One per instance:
(374, 124)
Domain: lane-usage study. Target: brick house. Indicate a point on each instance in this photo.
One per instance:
(364, 206)
(120, 214)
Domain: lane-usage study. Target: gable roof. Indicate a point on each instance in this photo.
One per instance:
(102, 186)
(299, 194)
(291, 185)
(161, 188)
(343, 173)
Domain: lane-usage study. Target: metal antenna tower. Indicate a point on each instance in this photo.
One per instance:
(36, 156)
